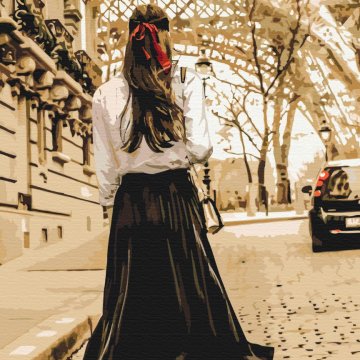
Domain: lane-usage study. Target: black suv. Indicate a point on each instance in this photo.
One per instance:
(335, 215)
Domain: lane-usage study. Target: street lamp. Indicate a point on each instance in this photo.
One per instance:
(206, 179)
(204, 67)
(325, 135)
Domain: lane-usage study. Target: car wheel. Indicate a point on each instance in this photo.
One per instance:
(317, 232)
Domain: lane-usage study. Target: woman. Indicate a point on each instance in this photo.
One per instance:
(163, 298)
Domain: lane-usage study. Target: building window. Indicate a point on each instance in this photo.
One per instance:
(86, 150)
(41, 136)
(44, 234)
(24, 201)
(56, 131)
(60, 232)
(88, 223)
(26, 239)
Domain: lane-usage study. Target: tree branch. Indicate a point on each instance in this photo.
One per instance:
(295, 32)
(243, 153)
(235, 123)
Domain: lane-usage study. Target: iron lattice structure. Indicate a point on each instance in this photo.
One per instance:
(223, 28)
(218, 25)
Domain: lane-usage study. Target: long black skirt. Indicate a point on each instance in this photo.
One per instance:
(164, 298)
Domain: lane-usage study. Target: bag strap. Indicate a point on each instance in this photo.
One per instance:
(183, 73)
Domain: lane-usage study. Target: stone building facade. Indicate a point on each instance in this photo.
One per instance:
(48, 73)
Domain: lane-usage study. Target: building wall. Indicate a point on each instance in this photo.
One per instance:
(48, 187)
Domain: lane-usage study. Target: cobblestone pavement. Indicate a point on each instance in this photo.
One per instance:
(304, 304)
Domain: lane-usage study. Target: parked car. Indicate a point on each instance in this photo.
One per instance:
(335, 214)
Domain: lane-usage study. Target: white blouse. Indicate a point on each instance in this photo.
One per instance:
(111, 162)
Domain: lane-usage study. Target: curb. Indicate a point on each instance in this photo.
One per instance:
(57, 337)
(263, 220)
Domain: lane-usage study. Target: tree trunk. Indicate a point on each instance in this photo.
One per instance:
(281, 152)
(250, 198)
(280, 189)
(262, 193)
(283, 185)
(262, 198)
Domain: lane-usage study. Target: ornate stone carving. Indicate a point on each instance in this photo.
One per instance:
(7, 24)
(90, 130)
(3, 79)
(54, 38)
(76, 126)
(91, 76)
(72, 16)
(23, 79)
(7, 54)
(88, 170)
(29, 16)
(7, 59)
(15, 87)
(35, 102)
(25, 66)
(80, 128)
(60, 157)
(71, 10)
(86, 113)
(73, 103)
(63, 52)
(58, 96)
(44, 81)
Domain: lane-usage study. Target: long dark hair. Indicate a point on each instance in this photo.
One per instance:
(155, 115)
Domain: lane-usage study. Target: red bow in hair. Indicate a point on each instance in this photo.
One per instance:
(139, 34)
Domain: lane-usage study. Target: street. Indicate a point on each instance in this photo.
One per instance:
(304, 304)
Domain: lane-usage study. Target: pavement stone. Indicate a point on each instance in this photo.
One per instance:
(306, 305)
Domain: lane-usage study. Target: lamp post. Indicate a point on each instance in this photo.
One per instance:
(207, 179)
(204, 67)
(325, 135)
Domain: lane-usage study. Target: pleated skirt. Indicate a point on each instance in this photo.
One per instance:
(164, 298)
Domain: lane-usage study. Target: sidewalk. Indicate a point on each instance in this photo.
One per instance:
(70, 277)
(238, 218)
(50, 298)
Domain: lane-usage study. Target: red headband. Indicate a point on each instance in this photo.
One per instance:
(139, 34)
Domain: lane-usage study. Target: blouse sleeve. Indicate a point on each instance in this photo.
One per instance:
(198, 145)
(105, 162)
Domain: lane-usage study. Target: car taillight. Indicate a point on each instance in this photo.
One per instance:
(323, 175)
(320, 182)
(317, 193)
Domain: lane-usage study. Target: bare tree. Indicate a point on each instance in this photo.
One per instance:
(267, 53)
(273, 52)
(235, 107)
(281, 148)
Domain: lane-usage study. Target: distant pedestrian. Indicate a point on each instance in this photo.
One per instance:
(164, 298)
